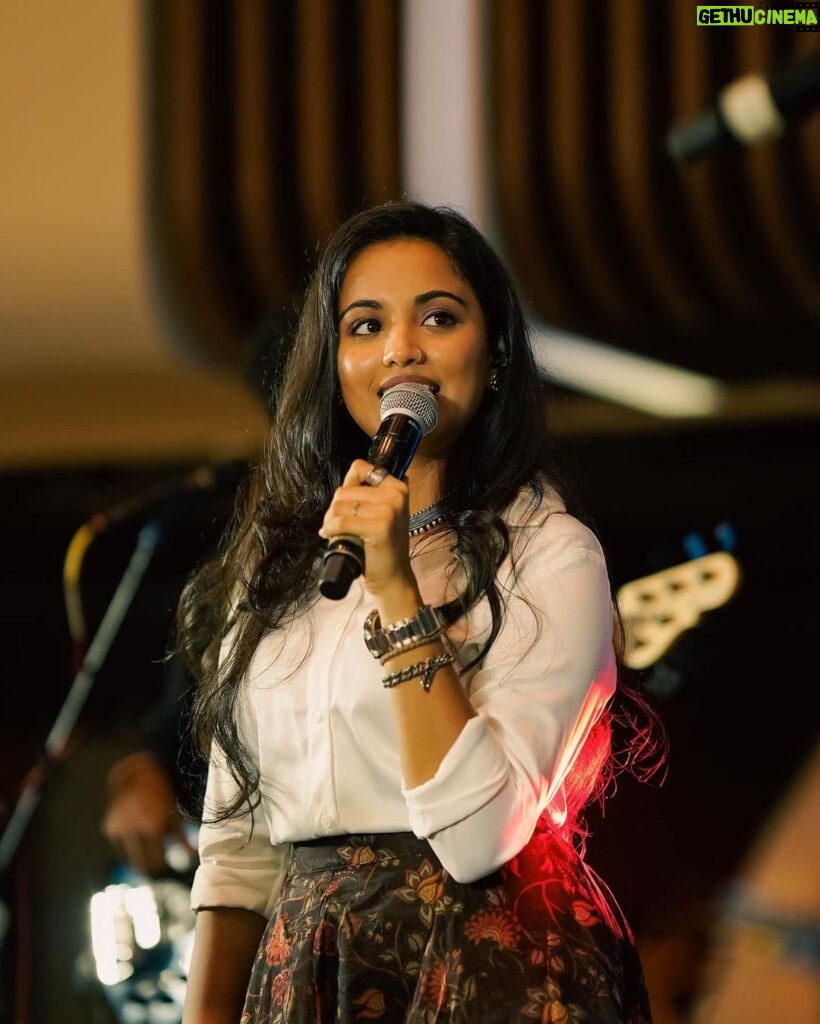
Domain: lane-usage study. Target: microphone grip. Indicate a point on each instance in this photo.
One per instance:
(342, 563)
(392, 447)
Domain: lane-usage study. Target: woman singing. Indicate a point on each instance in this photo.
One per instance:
(392, 826)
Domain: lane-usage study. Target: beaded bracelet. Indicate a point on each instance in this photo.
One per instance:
(426, 669)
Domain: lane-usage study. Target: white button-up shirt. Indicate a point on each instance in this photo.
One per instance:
(319, 724)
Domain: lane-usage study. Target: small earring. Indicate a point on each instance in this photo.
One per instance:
(498, 372)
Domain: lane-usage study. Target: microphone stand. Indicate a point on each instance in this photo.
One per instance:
(57, 740)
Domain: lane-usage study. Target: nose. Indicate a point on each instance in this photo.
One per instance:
(401, 348)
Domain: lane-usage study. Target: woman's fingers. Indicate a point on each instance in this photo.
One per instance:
(362, 519)
(355, 504)
(379, 517)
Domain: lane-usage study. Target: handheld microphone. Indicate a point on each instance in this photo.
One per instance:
(408, 412)
(748, 110)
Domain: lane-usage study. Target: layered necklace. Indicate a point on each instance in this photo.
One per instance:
(425, 519)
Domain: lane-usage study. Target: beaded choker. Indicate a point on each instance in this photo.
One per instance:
(425, 519)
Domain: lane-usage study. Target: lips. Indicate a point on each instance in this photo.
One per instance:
(410, 378)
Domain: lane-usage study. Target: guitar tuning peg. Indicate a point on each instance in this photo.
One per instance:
(726, 536)
(695, 546)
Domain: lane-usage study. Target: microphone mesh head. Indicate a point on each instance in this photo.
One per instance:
(414, 400)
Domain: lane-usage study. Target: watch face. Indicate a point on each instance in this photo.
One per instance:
(373, 637)
(375, 644)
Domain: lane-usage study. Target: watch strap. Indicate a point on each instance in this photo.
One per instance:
(403, 635)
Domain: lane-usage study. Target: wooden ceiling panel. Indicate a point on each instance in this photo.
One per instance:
(269, 123)
(711, 264)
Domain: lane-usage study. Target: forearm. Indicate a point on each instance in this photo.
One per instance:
(427, 723)
(225, 945)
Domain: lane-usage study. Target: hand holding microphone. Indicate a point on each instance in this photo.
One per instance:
(408, 412)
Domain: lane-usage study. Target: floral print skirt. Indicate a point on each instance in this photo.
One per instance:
(373, 928)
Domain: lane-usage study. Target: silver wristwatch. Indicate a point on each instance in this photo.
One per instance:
(403, 635)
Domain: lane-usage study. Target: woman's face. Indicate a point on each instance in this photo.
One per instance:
(405, 314)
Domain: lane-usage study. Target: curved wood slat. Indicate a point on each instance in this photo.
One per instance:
(695, 82)
(742, 205)
(316, 151)
(270, 123)
(348, 151)
(677, 259)
(804, 144)
(643, 193)
(573, 118)
(271, 220)
(379, 101)
(727, 211)
(799, 279)
(531, 234)
(200, 267)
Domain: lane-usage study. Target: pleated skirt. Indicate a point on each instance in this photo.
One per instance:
(373, 928)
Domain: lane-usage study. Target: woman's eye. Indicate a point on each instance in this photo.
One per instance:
(362, 327)
(439, 318)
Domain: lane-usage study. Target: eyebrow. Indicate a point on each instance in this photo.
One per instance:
(436, 293)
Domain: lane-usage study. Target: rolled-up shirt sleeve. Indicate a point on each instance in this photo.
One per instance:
(539, 691)
(238, 866)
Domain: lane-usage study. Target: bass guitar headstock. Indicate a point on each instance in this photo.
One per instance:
(658, 608)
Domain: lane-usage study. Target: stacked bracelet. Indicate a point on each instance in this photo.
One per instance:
(411, 646)
(418, 630)
(426, 669)
(384, 642)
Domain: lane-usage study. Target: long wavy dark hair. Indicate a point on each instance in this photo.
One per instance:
(267, 570)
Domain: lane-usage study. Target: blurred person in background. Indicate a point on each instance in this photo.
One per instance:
(145, 788)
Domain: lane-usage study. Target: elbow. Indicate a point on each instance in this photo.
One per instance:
(481, 844)
(471, 865)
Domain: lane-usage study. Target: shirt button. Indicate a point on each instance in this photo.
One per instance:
(317, 716)
(326, 822)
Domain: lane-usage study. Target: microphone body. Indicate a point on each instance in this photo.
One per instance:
(408, 413)
(394, 444)
(748, 110)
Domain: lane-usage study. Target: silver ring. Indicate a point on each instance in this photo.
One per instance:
(375, 476)
(355, 508)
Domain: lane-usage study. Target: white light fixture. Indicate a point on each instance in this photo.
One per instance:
(649, 385)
